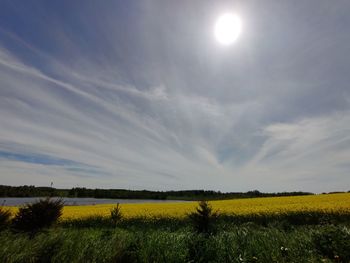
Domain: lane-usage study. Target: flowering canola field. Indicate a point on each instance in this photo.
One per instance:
(267, 205)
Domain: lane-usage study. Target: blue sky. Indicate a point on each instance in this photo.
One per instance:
(139, 95)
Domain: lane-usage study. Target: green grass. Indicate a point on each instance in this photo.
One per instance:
(286, 237)
(244, 243)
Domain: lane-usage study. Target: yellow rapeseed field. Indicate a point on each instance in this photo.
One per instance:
(327, 203)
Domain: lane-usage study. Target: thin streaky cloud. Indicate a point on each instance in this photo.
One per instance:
(132, 95)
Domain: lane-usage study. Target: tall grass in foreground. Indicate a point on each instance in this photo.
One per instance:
(240, 244)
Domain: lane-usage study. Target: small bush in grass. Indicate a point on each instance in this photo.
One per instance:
(333, 242)
(116, 214)
(38, 215)
(5, 216)
(203, 218)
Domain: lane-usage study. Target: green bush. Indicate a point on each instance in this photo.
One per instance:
(116, 214)
(333, 242)
(5, 216)
(203, 218)
(38, 215)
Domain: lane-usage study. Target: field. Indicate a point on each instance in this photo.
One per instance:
(327, 203)
(279, 229)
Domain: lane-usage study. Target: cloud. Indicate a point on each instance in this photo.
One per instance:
(311, 153)
(157, 106)
(96, 131)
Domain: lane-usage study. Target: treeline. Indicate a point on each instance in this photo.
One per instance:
(33, 191)
(168, 195)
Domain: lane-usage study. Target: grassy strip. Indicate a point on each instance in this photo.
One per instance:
(239, 244)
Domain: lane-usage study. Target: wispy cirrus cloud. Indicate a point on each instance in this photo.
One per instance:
(314, 151)
(105, 99)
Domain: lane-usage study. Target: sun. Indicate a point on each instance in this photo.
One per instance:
(227, 28)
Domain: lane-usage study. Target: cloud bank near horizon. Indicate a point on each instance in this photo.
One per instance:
(125, 95)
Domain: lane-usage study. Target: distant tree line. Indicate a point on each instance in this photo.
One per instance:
(33, 191)
(30, 191)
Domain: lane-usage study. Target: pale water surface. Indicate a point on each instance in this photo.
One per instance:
(16, 201)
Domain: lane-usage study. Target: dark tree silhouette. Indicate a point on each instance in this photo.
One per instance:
(203, 218)
(38, 215)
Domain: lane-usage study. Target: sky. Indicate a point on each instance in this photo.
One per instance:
(140, 95)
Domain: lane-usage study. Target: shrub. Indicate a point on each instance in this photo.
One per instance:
(116, 214)
(4, 217)
(333, 242)
(203, 218)
(38, 215)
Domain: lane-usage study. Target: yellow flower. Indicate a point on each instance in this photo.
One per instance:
(268, 205)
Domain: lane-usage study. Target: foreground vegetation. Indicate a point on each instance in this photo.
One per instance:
(298, 229)
(245, 243)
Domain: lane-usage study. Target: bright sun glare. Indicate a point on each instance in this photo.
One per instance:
(227, 28)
